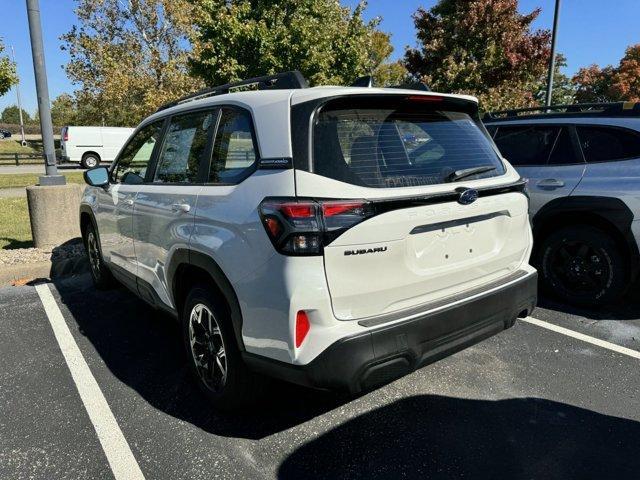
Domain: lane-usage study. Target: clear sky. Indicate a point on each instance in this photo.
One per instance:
(591, 31)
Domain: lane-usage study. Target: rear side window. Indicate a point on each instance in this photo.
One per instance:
(234, 153)
(400, 143)
(603, 144)
(184, 144)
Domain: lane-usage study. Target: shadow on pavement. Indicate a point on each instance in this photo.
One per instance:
(442, 437)
(628, 308)
(69, 258)
(143, 349)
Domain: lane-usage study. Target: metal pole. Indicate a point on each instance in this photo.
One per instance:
(44, 107)
(13, 57)
(552, 61)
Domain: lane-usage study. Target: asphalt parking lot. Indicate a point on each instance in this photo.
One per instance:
(528, 403)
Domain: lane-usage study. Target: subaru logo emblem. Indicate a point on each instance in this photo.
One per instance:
(468, 196)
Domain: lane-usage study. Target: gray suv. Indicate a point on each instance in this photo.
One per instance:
(582, 163)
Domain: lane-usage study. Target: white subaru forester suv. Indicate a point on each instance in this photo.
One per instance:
(335, 237)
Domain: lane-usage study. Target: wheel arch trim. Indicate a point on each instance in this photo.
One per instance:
(184, 256)
(87, 210)
(609, 210)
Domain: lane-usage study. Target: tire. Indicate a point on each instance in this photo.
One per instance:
(583, 266)
(1, 136)
(90, 160)
(100, 274)
(225, 380)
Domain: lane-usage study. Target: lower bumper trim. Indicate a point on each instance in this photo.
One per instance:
(380, 355)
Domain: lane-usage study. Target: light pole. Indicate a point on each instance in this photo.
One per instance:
(552, 61)
(13, 57)
(51, 176)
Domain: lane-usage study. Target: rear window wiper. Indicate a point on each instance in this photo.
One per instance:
(467, 172)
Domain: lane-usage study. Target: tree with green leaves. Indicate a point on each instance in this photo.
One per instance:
(11, 114)
(64, 110)
(128, 58)
(484, 48)
(385, 73)
(564, 90)
(8, 75)
(328, 43)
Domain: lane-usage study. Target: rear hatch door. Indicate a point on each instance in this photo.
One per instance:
(436, 228)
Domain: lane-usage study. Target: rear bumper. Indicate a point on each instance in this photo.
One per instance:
(380, 355)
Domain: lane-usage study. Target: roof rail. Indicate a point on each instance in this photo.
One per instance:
(279, 81)
(606, 109)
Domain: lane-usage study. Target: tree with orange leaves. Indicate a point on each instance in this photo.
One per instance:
(481, 47)
(610, 84)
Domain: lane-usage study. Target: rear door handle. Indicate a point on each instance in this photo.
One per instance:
(550, 183)
(180, 207)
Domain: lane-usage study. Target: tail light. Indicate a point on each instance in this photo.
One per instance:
(304, 227)
(65, 135)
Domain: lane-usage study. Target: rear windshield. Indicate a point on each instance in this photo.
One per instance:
(399, 143)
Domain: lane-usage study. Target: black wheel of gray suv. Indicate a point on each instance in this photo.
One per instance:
(100, 273)
(212, 353)
(583, 265)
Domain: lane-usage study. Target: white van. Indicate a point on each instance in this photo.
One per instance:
(91, 145)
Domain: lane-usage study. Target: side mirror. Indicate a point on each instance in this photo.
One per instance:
(97, 177)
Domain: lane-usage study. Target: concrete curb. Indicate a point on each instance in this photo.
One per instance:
(26, 272)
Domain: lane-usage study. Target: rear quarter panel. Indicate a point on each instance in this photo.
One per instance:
(227, 228)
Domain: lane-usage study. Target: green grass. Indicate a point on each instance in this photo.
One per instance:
(34, 147)
(13, 146)
(21, 180)
(15, 229)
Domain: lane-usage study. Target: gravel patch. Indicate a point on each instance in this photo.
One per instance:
(36, 255)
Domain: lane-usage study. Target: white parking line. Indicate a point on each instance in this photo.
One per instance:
(119, 455)
(585, 338)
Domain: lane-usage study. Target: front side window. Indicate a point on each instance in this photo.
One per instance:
(234, 151)
(563, 152)
(526, 145)
(133, 162)
(603, 144)
(184, 145)
(386, 143)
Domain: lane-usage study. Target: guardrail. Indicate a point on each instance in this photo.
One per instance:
(21, 158)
